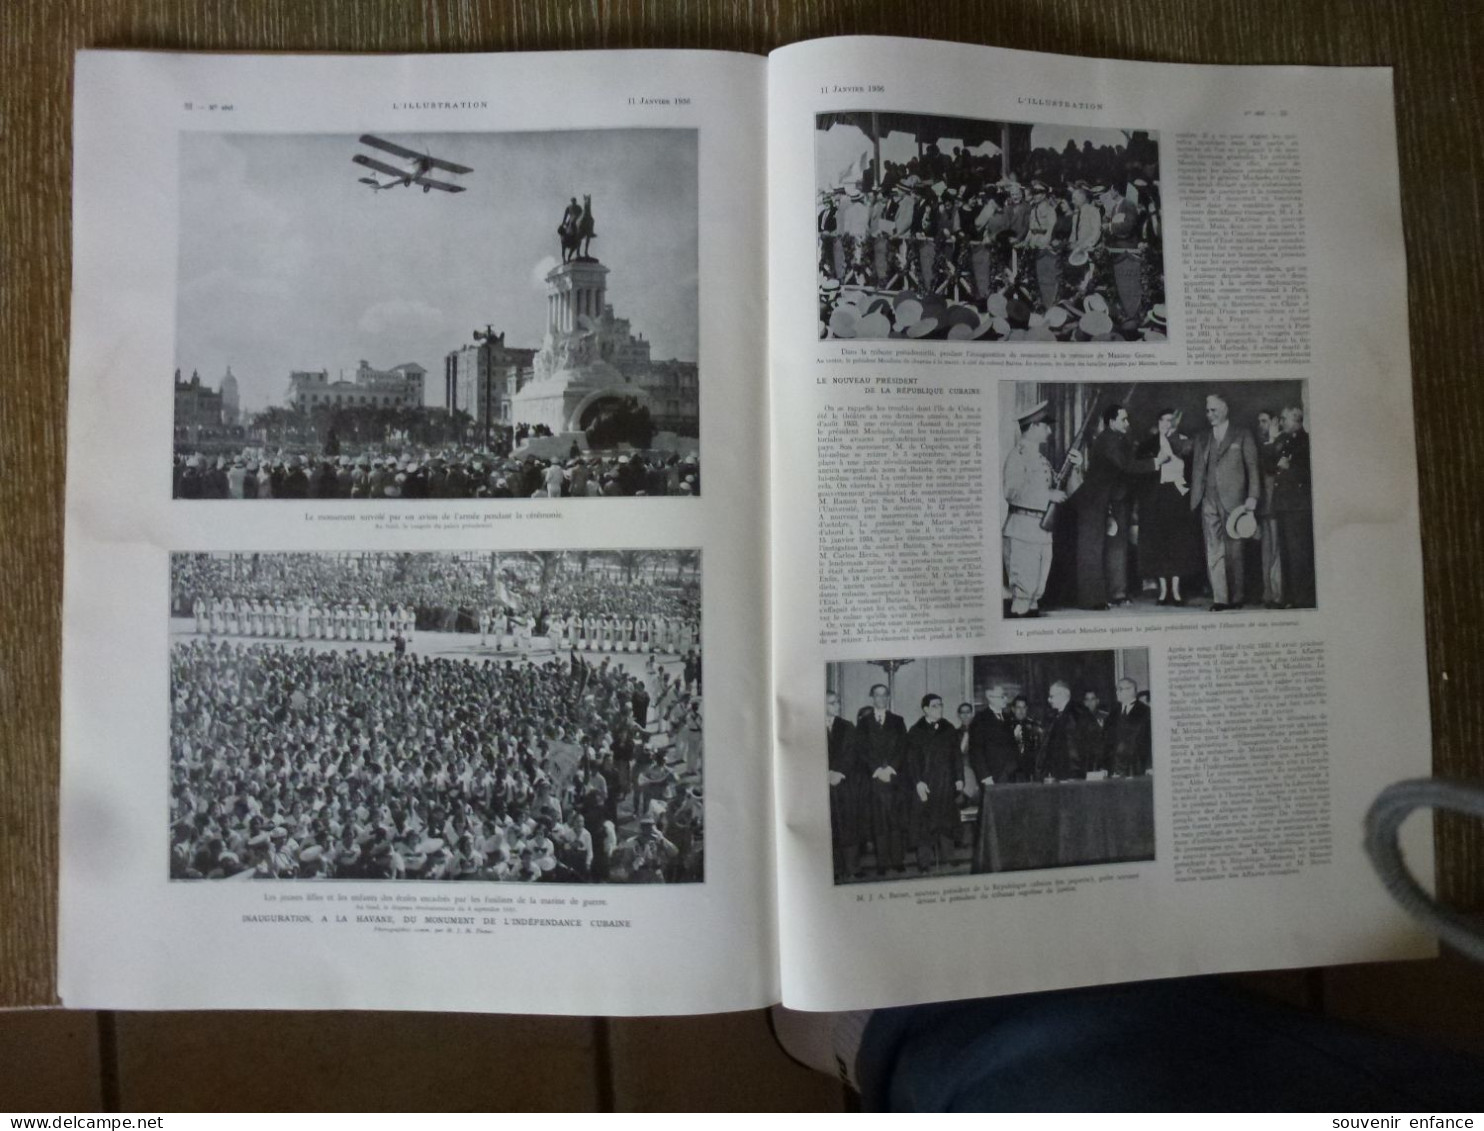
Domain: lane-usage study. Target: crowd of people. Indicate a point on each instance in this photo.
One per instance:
(386, 598)
(1197, 501)
(292, 762)
(453, 474)
(947, 245)
(923, 787)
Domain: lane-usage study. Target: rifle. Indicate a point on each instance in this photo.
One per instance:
(1048, 520)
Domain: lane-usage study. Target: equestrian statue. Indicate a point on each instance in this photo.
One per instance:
(576, 229)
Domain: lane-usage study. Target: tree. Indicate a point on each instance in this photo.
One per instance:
(630, 562)
(550, 562)
(278, 425)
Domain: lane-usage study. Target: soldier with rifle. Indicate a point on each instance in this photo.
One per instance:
(1032, 492)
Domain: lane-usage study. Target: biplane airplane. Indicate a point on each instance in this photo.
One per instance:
(418, 166)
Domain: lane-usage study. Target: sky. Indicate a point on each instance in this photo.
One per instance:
(287, 262)
(841, 145)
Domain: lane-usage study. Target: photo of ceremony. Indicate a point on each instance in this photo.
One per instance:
(512, 716)
(437, 315)
(963, 229)
(1155, 497)
(950, 765)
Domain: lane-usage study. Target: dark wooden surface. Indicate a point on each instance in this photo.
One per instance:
(1437, 48)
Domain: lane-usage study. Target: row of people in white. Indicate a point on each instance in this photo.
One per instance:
(591, 633)
(365, 623)
(304, 620)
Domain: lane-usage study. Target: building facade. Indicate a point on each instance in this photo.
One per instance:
(198, 410)
(231, 403)
(481, 378)
(674, 396)
(401, 386)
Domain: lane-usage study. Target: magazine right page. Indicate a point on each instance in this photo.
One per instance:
(1097, 595)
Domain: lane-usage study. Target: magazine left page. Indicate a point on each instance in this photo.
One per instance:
(384, 633)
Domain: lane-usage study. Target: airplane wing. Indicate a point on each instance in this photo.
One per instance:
(448, 166)
(428, 183)
(397, 150)
(379, 166)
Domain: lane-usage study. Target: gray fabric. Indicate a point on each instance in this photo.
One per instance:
(1465, 933)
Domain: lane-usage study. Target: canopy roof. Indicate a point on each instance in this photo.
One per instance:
(924, 127)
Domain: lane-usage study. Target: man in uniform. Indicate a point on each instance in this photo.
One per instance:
(1026, 481)
(1269, 450)
(1093, 705)
(1027, 734)
(1293, 509)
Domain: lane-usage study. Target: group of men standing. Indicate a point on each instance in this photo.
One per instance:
(1225, 484)
(893, 787)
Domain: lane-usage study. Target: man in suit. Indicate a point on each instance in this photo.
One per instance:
(1224, 479)
(1293, 507)
(1073, 743)
(1127, 735)
(881, 745)
(993, 752)
(996, 761)
(847, 790)
(1106, 492)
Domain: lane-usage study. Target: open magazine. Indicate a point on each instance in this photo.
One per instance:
(665, 532)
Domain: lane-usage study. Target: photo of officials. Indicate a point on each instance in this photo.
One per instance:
(967, 229)
(960, 764)
(1155, 497)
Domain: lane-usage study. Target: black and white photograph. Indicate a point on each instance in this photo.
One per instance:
(512, 717)
(437, 315)
(970, 230)
(955, 765)
(1155, 497)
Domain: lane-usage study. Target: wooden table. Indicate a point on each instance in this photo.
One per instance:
(1435, 46)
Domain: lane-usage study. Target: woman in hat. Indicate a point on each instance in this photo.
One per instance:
(1170, 544)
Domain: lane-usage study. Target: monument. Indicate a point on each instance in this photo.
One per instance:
(573, 379)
